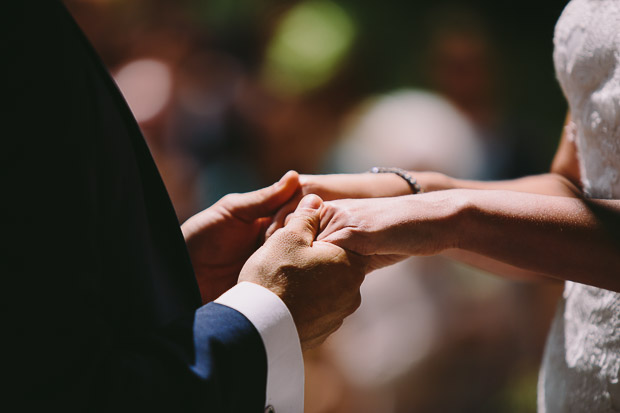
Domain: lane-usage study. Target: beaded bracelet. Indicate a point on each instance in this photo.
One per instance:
(411, 181)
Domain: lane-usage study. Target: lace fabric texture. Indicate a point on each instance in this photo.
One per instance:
(580, 370)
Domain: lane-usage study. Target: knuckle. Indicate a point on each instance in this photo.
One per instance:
(230, 200)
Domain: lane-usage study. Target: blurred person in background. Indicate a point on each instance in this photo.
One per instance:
(110, 305)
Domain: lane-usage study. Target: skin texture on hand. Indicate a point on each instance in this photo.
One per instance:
(221, 238)
(390, 229)
(549, 235)
(319, 282)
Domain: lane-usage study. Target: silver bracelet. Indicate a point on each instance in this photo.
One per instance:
(411, 181)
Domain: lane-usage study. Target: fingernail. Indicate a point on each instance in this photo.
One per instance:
(311, 202)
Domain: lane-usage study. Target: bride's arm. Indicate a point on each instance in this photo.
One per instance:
(561, 237)
(541, 224)
(563, 180)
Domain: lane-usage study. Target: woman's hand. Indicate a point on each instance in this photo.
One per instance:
(393, 227)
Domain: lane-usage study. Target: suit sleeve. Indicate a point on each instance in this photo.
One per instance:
(269, 314)
(213, 360)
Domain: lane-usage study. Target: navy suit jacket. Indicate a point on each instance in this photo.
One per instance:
(100, 307)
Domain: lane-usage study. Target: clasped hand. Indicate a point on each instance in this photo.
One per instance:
(372, 215)
(319, 282)
(316, 253)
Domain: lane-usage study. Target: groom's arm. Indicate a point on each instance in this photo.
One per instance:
(213, 360)
(271, 318)
(237, 354)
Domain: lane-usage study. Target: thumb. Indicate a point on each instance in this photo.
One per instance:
(305, 220)
(264, 202)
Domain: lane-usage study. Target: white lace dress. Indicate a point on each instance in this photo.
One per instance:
(580, 371)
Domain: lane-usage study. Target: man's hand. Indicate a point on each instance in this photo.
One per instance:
(319, 282)
(221, 238)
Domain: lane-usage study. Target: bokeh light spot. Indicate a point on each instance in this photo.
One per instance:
(310, 42)
(147, 87)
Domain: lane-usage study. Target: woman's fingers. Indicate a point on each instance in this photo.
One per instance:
(340, 225)
(361, 225)
(280, 218)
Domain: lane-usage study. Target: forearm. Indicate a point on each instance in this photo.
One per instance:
(367, 185)
(360, 185)
(544, 184)
(496, 267)
(565, 238)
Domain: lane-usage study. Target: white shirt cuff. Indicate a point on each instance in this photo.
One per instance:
(270, 316)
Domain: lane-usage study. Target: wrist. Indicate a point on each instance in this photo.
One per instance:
(391, 184)
(436, 221)
(434, 181)
(386, 185)
(354, 186)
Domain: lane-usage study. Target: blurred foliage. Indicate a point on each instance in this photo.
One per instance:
(519, 394)
(309, 43)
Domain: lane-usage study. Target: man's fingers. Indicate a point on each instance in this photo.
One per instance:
(305, 220)
(264, 202)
